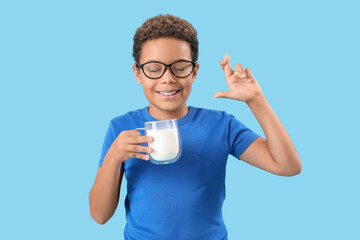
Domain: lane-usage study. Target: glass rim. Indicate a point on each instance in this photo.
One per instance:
(141, 66)
(166, 120)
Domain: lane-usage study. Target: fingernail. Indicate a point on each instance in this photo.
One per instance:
(149, 138)
(149, 150)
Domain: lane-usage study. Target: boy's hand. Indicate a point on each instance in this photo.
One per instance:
(243, 86)
(128, 145)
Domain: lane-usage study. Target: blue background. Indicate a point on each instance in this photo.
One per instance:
(65, 70)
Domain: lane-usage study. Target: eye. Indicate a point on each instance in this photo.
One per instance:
(154, 70)
(181, 66)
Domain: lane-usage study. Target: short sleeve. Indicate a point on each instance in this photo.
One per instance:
(240, 137)
(109, 139)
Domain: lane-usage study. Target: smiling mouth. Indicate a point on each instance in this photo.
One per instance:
(169, 95)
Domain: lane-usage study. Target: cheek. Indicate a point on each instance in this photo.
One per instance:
(147, 86)
(149, 90)
(188, 88)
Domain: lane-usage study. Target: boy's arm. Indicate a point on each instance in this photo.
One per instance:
(276, 153)
(104, 195)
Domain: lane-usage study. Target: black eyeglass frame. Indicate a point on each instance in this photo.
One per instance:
(166, 66)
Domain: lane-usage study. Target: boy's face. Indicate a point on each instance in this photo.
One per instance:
(167, 51)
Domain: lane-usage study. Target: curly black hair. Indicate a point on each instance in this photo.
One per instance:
(165, 26)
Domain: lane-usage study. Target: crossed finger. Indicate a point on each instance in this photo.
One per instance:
(243, 73)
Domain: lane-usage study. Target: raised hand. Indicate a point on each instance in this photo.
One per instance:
(243, 86)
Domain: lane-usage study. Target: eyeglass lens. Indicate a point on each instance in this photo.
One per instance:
(179, 69)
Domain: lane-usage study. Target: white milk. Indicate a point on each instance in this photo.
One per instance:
(165, 144)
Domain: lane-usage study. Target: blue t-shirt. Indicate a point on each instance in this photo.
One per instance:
(182, 200)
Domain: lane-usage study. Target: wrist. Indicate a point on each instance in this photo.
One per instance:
(114, 162)
(257, 100)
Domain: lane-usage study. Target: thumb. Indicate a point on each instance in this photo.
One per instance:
(222, 95)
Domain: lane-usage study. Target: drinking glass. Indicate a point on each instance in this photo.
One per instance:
(166, 142)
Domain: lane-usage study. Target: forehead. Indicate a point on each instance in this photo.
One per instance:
(166, 50)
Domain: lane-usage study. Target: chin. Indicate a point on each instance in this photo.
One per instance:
(168, 107)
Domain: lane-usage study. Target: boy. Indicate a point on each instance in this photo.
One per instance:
(183, 200)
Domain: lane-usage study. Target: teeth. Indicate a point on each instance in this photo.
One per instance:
(163, 93)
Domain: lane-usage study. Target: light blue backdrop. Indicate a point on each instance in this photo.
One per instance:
(65, 70)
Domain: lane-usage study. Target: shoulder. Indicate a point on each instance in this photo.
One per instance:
(127, 120)
(128, 115)
(215, 116)
(210, 113)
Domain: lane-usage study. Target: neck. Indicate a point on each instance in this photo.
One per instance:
(163, 115)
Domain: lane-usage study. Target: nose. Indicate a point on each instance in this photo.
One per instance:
(168, 76)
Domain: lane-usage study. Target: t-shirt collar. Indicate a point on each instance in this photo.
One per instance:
(180, 121)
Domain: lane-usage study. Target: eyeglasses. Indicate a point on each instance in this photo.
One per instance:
(155, 70)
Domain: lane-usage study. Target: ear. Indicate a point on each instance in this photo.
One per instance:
(137, 73)
(195, 71)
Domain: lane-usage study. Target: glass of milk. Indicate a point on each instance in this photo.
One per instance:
(166, 142)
